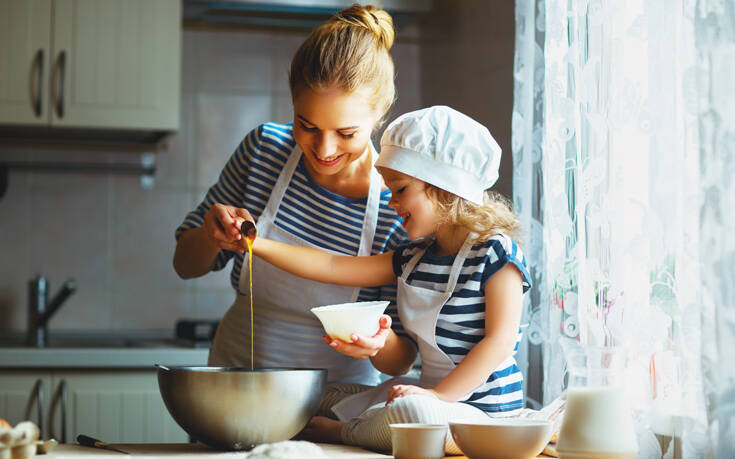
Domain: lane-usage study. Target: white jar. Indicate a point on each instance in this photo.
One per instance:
(597, 420)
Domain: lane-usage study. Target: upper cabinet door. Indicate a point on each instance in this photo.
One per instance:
(116, 64)
(25, 50)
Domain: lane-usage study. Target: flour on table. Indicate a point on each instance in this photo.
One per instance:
(287, 450)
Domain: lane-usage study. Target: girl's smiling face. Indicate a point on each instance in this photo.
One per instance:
(411, 203)
(332, 127)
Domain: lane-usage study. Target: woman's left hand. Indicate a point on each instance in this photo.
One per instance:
(401, 390)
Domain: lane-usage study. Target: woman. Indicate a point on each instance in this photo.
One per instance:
(310, 183)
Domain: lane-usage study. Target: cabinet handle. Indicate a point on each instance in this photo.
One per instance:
(59, 396)
(38, 69)
(60, 75)
(62, 389)
(36, 396)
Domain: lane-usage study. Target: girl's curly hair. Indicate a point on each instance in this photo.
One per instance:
(494, 216)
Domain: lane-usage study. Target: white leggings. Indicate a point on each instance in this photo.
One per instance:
(371, 429)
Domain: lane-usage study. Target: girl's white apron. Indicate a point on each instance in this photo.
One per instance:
(287, 333)
(418, 309)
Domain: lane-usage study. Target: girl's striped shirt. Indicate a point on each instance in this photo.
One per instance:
(307, 211)
(461, 321)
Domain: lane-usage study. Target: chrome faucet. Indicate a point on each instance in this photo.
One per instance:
(40, 309)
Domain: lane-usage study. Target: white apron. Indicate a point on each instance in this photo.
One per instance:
(418, 309)
(287, 333)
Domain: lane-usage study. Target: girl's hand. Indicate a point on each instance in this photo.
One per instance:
(222, 227)
(401, 390)
(363, 347)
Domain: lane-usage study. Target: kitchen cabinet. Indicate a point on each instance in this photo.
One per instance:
(24, 395)
(90, 64)
(114, 405)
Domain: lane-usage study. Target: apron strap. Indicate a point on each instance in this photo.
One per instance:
(456, 265)
(279, 189)
(412, 263)
(370, 224)
(459, 261)
(372, 209)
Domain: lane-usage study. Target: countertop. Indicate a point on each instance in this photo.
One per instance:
(100, 358)
(188, 450)
(101, 350)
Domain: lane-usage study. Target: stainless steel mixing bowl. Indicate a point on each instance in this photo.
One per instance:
(238, 408)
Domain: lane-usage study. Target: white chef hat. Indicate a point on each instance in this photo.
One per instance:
(443, 147)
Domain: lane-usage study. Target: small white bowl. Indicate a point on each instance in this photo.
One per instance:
(341, 321)
(418, 441)
(502, 438)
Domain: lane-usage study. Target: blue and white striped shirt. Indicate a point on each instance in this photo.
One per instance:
(307, 210)
(461, 321)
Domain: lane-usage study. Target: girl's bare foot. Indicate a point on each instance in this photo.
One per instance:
(321, 429)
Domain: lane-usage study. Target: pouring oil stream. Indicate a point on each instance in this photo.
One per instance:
(249, 232)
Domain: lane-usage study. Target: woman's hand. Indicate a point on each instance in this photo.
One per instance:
(401, 390)
(363, 347)
(222, 227)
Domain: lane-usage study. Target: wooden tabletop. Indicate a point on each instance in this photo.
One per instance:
(188, 450)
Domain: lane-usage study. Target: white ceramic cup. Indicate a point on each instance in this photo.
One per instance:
(418, 441)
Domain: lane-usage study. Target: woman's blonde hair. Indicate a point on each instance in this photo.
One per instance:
(350, 50)
(494, 216)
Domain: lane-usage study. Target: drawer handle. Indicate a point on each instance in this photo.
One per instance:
(36, 396)
(62, 390)
(61, 74)
(38, 70)
(59, 396)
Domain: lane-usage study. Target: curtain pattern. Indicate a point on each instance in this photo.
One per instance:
(624, 154)
(715, 78)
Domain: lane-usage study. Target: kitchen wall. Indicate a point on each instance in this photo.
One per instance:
(116, 238)
(467, 51)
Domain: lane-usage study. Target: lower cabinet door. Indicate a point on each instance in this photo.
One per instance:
(116, 406)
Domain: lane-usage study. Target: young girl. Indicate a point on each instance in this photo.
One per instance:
(460, 285)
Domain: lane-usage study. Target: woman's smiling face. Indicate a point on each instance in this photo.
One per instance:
(332, 127)
(411, 203)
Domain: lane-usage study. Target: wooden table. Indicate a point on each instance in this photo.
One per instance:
(189, 450)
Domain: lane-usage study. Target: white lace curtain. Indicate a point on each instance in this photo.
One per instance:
(624, 176)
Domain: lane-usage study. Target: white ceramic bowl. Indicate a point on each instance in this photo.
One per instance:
(425, 441)
(507, 438)
(340, 321)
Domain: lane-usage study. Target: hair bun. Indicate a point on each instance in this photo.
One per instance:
(350, 51)
(377, 21)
